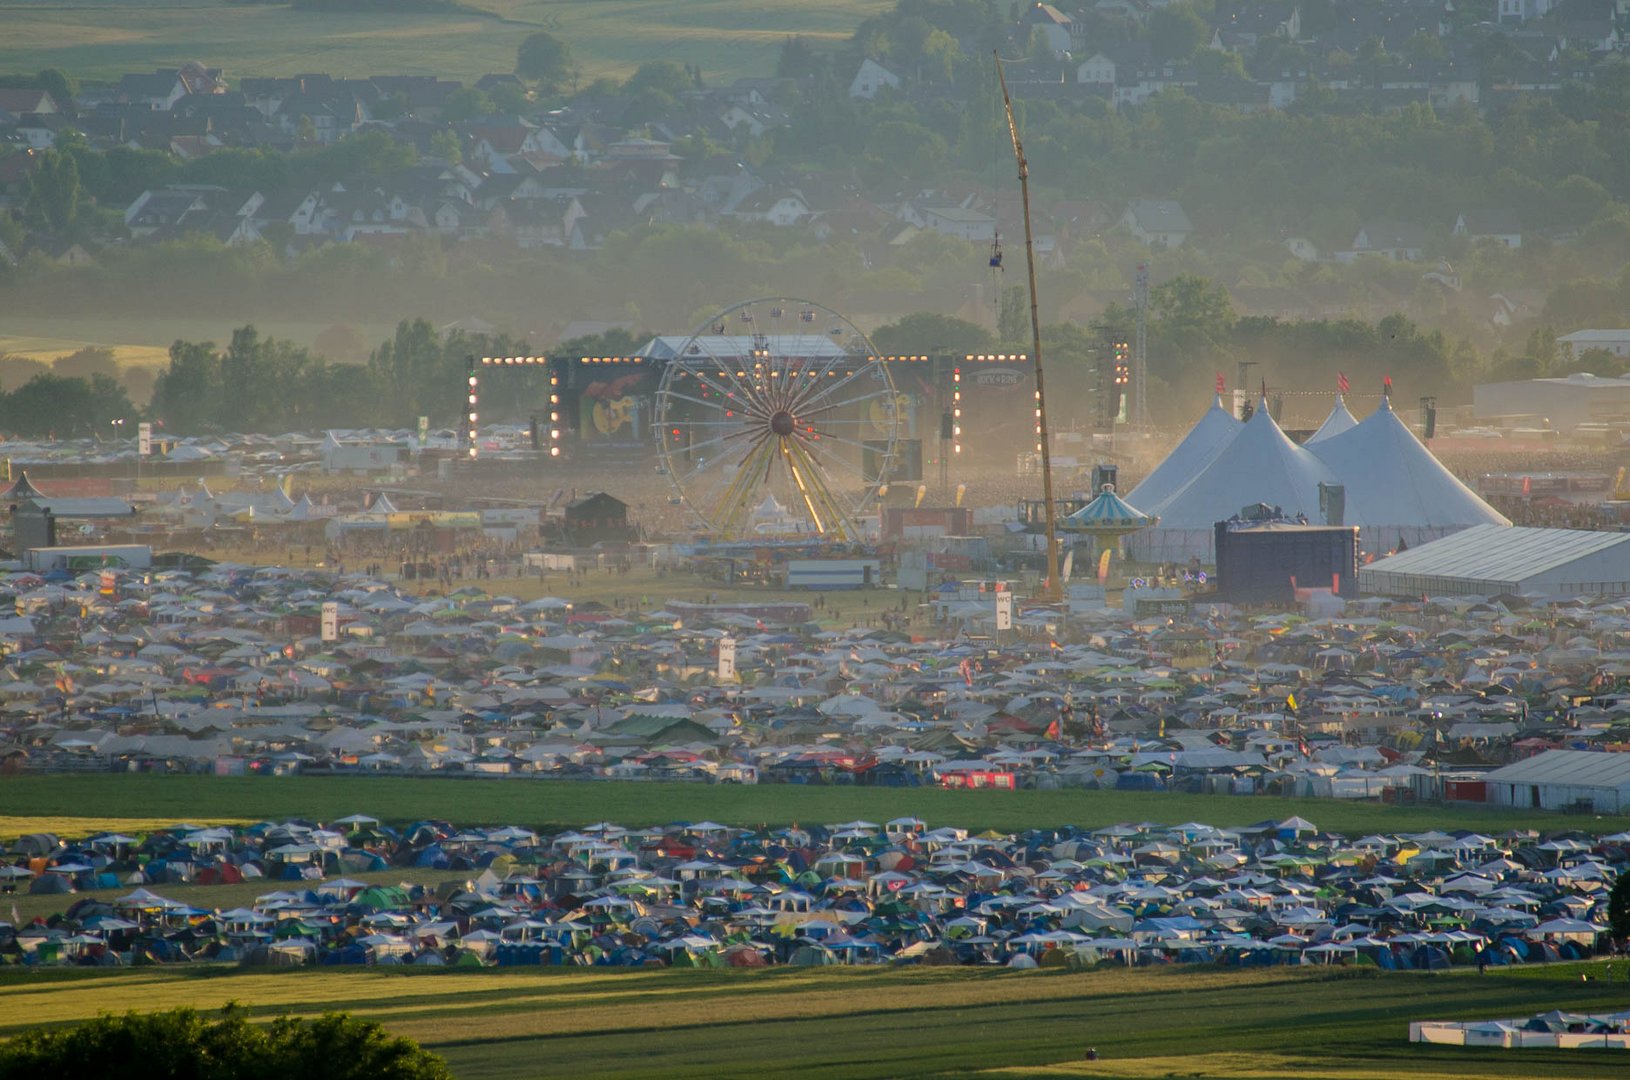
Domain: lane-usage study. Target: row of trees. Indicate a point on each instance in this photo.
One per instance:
(256, 383)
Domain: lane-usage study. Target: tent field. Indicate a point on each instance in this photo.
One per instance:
(1277, 1022)
(554, 804)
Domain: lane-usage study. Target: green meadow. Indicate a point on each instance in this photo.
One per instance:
(554, 804)
(1307, 1023)
(610, 37)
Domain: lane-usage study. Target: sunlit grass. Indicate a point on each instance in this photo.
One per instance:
(1281, 1022)
(553, 804)
(610, 37)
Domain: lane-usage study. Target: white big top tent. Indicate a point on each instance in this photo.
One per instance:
(1396, 491)
(1338, 422)
(1259, 465)
(1399, 490)
(1205, 440)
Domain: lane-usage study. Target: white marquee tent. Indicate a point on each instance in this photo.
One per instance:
(1396, 489)
(1259, 465)
(1214, 431)
(1338, 422)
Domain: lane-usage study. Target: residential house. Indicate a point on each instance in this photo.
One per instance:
(1135, 85)
(155, 210)
(961, 222)
(871, 78)
(782, 207)
(752, 121)
(38, 131)
(494, 143)
(1302, 249)
(537, 223)
(1516, 12)
(425, 94)
(1499, 226)
(1096, 70)
(22, 102)
(158, 91)
(1242, 26)
(63, 252)
(1160, 223)
(1400, 241)
(1062, 33)
(1616, 342)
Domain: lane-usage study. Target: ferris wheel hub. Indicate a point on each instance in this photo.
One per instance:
(782, 423)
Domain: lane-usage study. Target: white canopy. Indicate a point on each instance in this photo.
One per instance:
(1391, 479)
(1338, 421)
(1205, 440)
(1260, 465)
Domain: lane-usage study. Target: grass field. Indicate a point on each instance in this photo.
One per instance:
(1304, 1023)
(547, 804)
(609, 37)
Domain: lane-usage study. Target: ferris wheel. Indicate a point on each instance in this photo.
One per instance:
(777, 417)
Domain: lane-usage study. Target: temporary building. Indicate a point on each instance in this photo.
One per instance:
(1339, 421)
(1564, 779)
(1395, 488)
(1259, 465)
(1487, 560)
(1205, 440)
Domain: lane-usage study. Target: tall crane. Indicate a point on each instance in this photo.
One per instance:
(1052, 590)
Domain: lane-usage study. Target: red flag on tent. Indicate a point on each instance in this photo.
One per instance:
(1342, 385)
(1222, 383)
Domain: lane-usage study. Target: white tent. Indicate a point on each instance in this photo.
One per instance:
(382, 505)
(1260, 465)
(1339, 420)
(1396, 488)
(1205, 440)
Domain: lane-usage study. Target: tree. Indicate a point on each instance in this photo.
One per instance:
(184, 1042)
(444, 144)
(510, 99)
(1176, 32)
(1013, 315)
(929, 331)
(546, 60)
(797, 59)
(53, 190)
(466, 103)
(661, 76)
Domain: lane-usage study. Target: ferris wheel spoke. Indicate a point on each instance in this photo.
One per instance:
(731, 506)
(717, 440)
(741, 393)
(817, 384)
(817, 492)
(829, 406)
(829, 368)
(804, 487)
